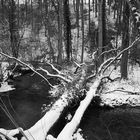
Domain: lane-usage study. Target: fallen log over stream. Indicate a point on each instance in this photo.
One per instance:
(41, 128)
(70, 89)
(70, 128)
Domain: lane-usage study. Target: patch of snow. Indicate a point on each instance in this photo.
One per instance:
(122, 91)
(78, 135)
(5, 87)
(68, 117)
(118, 98)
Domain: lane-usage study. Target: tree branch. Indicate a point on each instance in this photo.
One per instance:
(106, 52)
(56, 75)
(21, 62)
(126, 91)
(121, 53)
(104, 63)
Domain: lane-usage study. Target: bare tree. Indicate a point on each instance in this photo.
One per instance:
(67, 29)
(100, 30)
(60, 19)
(47, 30)
(13, 27)
(125, 40)
(89, 15)
(82, 26)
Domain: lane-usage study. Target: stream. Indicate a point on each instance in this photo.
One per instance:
(98, 123)
(121, 123)
(24, 106)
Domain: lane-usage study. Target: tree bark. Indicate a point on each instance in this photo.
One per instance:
(13, 27)
(47, 30)
(82, 26)
(125, 41)
(60, 18)
(96, 8)
(89, 15)
(100, 31)
(67, 30)
(134, 6)
(77, 16)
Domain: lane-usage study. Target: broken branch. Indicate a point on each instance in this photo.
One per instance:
(121, 53)
(56, 75)
(21, 62)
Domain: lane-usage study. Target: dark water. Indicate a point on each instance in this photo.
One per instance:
(24, 106)
(97, 124)
(100, 123)
(111, 124)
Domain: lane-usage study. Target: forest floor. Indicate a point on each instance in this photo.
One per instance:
(120, 92)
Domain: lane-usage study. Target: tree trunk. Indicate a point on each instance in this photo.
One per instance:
(13, 27)
(100, 31)
(47, 30)
(134, 6)
(125, 41)
(74, 7)
(67, 29)
(26, 9)
(77, 23)
(104, 25)
(96, 8)
(77, 16)
(109, 4)
(93, 3)
(89, 15)
(60, 18)
(2, 9)
(82, 25)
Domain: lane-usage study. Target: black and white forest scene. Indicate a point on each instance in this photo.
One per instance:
(69, 69)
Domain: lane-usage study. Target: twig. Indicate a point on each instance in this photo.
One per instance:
(11, 57)
(78, 65)
(104, 63)
(91, 76)
(107, 52)
(56, 75)
(59, 72)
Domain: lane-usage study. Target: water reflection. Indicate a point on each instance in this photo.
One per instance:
(24, 106)
(114, 124)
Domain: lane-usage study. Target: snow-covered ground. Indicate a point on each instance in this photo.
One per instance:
(120, 92)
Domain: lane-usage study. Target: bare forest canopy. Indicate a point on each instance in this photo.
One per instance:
(77, 44)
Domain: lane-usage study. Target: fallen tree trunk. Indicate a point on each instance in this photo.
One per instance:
(41, 128)
(69, 90)
(70, 128)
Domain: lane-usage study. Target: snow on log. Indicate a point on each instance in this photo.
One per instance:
(70, 128)
(41, 128)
